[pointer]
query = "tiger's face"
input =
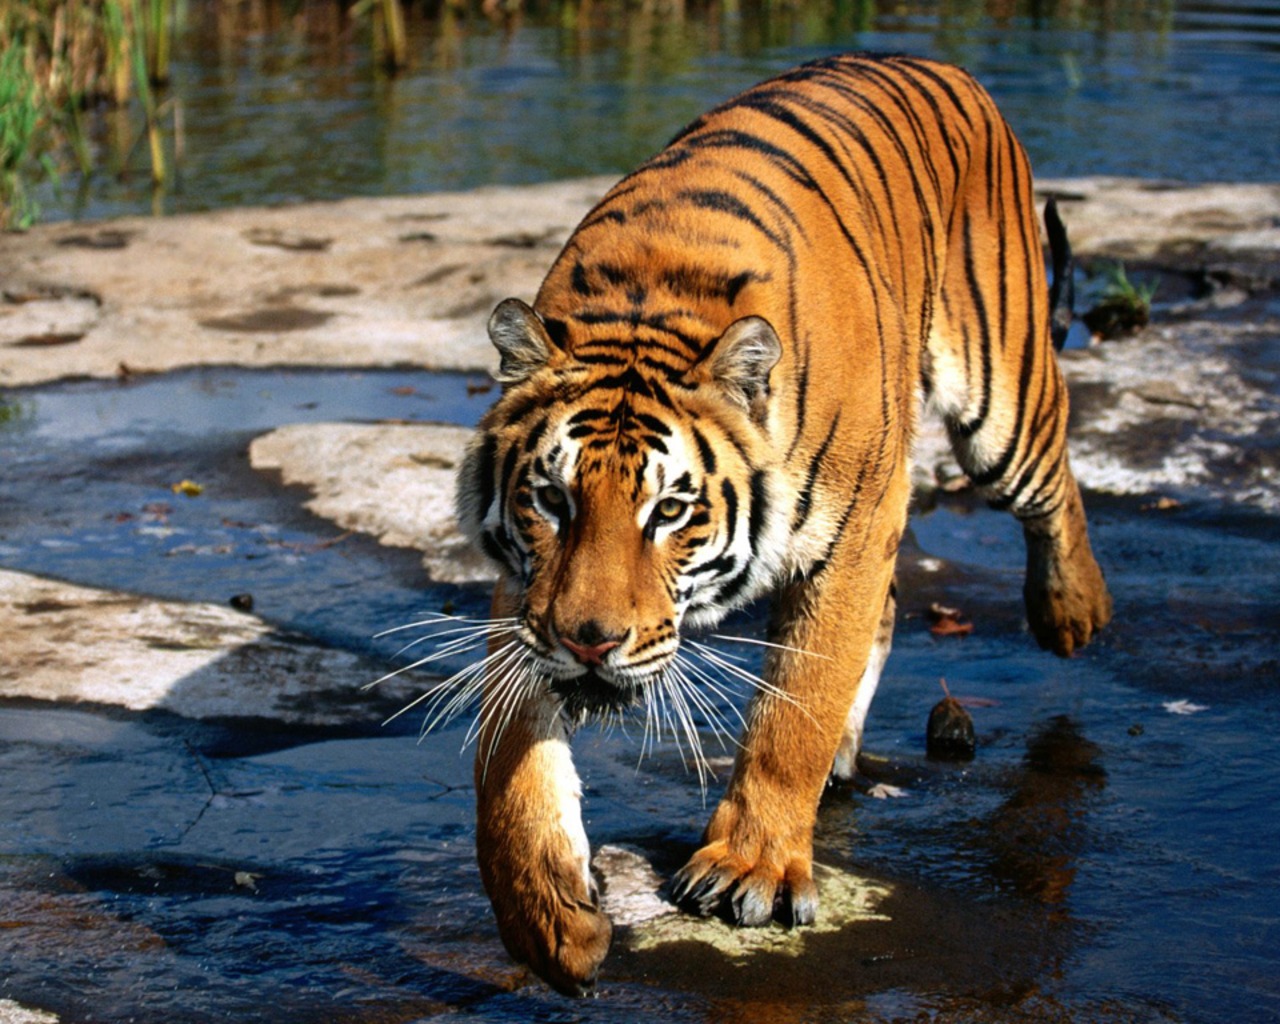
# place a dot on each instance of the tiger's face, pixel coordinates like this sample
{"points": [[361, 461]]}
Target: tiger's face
{"points": [[626, 501]]}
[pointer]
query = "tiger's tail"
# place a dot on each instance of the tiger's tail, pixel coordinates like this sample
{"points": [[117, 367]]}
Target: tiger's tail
{"points": [[1062, 293]]}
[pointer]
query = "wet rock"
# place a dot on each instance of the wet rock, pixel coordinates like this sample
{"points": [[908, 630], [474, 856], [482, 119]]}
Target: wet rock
{"points": [[1130, 219], [36, 317], [75, 644], [208, 285], [16, 1013], [1172, 411], [949, 735], [201, 282], [393, 481], [633, 895]]}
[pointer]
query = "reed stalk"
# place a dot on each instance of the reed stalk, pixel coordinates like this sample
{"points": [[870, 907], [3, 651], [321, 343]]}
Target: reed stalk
{"points": [[390, 39], [19, 127], [159, 40], [397, 43], [139, 65], [61, 58]]}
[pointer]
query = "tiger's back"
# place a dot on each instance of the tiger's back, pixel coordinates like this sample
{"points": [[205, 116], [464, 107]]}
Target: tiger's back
{"points": [[714, 397], [877, 211]]}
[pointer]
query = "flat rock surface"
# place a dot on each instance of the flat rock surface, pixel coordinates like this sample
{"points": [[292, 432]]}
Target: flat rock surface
{"points": [[70, 644], [361, 282], [393, 481]]}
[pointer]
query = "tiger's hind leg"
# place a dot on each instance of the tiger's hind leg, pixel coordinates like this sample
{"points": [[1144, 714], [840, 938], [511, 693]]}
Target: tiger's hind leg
{"points": [[993, 375]]}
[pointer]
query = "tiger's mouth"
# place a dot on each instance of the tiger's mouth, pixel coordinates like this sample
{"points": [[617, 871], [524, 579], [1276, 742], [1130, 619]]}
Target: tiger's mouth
{"points": [[590, 695]]}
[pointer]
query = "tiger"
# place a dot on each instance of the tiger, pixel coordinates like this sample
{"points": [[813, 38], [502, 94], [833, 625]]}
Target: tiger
{"points": [[713, 399]]}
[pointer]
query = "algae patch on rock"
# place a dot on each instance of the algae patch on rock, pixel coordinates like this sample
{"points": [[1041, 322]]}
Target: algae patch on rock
{"points": [[632, 897]]}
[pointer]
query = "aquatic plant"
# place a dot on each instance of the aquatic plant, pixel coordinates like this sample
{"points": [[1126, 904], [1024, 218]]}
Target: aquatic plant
{"points": [[390, 42], [59, 58], [1123, 307], [19, 133]]}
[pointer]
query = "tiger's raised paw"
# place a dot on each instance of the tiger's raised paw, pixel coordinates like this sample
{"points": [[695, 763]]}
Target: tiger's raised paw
{"points": [[1066, 597], [563, 942], [547, 908], [718, 881], [1065, 614]]}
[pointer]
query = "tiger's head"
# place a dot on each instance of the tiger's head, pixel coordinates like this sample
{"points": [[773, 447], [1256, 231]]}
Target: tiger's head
{"points": [[625, 495]]}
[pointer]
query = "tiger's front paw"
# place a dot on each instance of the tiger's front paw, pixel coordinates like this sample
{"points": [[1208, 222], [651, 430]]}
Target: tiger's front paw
{"points": [[551, 921], [749, 891]]}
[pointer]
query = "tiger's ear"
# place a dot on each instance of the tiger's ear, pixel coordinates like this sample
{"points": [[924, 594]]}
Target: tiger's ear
{"points": [[521, 338], [740, 361]]}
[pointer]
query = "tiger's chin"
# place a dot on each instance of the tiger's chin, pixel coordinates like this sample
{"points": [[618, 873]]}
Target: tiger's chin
{"points": [[591, 697]]}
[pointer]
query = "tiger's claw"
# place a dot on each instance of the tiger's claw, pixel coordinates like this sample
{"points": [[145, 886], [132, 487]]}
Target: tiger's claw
{"points": [[744, 894]]}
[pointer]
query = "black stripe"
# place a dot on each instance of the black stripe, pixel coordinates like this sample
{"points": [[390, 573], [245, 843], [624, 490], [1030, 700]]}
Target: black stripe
{"points": [[803, 503], [652, 422], [970, 428], [508, 468], [704, 450], [725, 202], [924, 68], [730, 495], [759, 508], [578, 280], [751, 143], [484, 472], [535, 434], [691, 281]]}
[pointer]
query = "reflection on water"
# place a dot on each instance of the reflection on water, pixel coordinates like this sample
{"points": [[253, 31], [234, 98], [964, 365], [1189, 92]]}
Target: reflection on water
{"points": [[1036, 835], [283, 102]]}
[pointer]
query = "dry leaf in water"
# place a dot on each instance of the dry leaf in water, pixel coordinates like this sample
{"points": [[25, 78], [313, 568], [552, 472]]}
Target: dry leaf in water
{"points": [[944, 621]]}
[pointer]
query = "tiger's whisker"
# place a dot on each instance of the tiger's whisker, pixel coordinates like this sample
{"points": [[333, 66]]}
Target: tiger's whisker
{"points": [[767, 643], [500, 680], [726, 693], [440, 618], [725, 735], [518, 686], [696, 751], [712, 657], [466, 639], [464, 678]]}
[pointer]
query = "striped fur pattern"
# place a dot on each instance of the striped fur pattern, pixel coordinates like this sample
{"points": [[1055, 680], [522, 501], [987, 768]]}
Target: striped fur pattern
{"points": [[714, 397]]}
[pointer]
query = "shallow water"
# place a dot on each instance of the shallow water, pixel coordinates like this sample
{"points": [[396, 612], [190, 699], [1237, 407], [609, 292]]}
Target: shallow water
{"points": [[295, 109], [1102, 859]]}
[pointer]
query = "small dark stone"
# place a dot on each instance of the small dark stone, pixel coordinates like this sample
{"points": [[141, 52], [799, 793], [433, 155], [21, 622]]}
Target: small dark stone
{"points": [[1136, 729], [242, 602], [949, 736]]}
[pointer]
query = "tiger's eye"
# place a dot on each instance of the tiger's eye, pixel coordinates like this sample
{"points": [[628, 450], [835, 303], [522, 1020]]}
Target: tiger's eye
{"points": [[668, 510], [552, 499]]}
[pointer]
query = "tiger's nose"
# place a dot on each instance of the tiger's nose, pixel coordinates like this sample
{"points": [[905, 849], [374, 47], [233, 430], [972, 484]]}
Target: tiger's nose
{"points": [[591, 643]]}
